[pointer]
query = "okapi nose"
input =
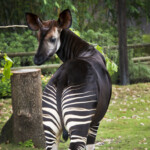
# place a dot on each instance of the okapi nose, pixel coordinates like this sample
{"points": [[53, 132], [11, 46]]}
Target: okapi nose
{"points": [[38, 60]]}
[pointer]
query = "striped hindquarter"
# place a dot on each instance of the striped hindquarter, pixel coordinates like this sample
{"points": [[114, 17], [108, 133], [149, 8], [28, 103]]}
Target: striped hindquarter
{"points": [[51, 118], [78, 106]]}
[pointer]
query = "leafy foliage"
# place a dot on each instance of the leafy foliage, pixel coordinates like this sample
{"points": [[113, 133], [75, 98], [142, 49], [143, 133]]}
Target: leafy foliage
{"points": [[28, 143], [5, 89], [110, 65], [146, 38], [18, 42], [7, 68]]}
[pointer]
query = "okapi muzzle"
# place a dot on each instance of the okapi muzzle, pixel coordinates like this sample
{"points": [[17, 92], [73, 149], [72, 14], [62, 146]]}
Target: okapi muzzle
{"points": [[48, 34]]}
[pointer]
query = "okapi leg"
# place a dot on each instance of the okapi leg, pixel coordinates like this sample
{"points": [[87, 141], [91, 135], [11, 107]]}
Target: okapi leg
{"points": [[91, 137], [78, 106], [78, 138], [51, 119]]}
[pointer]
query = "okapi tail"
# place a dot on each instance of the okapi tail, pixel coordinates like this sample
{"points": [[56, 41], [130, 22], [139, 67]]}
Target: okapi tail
{"points": [[65, 134]]}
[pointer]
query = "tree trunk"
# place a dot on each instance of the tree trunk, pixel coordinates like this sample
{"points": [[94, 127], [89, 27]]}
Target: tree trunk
{"points": [[26, 103], [123, 53]]}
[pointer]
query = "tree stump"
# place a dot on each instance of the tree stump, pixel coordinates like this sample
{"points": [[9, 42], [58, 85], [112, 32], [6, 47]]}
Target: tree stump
{"points": [[27, 107]]}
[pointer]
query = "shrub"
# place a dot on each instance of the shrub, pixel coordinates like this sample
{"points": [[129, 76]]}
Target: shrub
{"points": [[5, 88], [17, 42], [146, 38], [28, 143]]}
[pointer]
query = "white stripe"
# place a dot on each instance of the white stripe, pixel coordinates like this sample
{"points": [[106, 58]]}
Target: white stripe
{"points": [[51, 95], [52, 87], [52, 126], [74, 86], [50, 142], [50, 103], [75, 123], [50, 138], [48, 132], [48, 147], [50, 98], [71, 99], [76, 117], [94, 130], [79, 137], [77, 140], [91, 101], [52, 118], [76, 109], [75, 94], [54, 92], [92, 133], [52, 111]]}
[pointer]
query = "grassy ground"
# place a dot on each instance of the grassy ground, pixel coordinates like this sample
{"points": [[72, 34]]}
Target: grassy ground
{"points": [[126, 125]]}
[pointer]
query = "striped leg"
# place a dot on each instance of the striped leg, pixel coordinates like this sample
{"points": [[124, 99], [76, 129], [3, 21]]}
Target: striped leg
{"points": [[91, 137], [51, 119], [78, 106]]}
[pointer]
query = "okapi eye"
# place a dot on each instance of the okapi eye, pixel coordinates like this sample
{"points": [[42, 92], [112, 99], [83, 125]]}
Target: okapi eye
{"points": [[52, 40]]}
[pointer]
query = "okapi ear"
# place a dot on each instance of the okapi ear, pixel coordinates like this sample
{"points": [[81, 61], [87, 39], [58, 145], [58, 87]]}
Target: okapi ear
{"points": [[65, 19], [33, 21]]}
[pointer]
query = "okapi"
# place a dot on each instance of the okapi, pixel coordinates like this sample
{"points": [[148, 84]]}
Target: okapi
{"points": [[77, 96]]}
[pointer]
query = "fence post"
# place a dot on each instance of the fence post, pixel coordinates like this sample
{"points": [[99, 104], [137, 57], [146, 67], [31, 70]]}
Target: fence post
{"points": [[26, 103]]}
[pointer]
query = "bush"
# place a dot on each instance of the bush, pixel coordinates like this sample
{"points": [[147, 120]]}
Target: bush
{"points": [[100, 37], [5, 88], [146, 38], [17, 42]]}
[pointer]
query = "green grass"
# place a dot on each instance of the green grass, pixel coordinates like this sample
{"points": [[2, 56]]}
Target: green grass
{"points": [[126, 126]]}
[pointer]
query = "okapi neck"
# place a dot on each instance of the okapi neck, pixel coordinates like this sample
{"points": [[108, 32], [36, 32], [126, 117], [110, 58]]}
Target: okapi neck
{"points": [[72, 46]]}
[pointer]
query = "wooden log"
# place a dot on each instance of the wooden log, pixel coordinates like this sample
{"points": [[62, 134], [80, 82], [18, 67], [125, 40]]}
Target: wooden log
{"points": [[27, 108]]}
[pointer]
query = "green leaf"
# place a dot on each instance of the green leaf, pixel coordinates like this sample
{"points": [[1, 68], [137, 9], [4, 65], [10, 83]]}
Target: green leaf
{"points": [[110, 65], [57, 5], [75, 31], [7, 68], [7, 59], [45, 2]]}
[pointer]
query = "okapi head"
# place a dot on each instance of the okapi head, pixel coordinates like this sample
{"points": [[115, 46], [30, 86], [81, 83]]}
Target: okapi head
{"points": [[48, 34]]}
